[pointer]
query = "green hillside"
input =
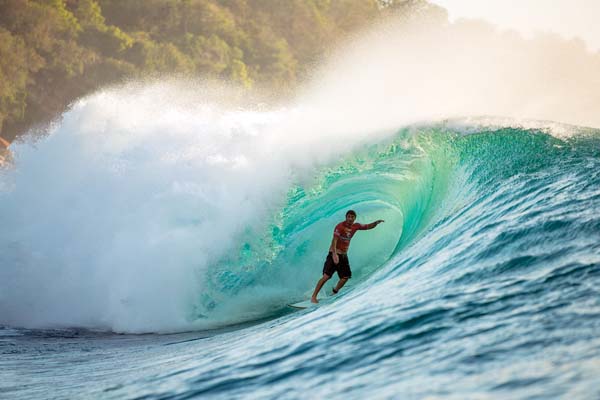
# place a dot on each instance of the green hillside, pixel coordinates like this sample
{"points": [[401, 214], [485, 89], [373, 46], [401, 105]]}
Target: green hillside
{"points": [[54, 51]]}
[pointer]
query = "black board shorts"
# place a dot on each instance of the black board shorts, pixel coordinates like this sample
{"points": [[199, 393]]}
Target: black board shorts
{"points": [[342, 267]]}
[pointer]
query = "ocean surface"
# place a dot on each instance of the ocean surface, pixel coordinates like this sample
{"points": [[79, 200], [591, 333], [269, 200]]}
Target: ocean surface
{"points": [[155, 259]]}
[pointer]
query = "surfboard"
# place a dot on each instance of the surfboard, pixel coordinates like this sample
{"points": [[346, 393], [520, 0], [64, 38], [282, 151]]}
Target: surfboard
{"points": [[303, 304]]}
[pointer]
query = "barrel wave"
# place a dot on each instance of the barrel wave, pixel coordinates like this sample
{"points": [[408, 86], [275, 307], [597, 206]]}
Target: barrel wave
{"points": [[483, 279]]}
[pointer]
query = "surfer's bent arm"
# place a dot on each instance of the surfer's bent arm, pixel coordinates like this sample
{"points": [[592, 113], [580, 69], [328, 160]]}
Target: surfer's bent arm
{"points": [[333, 247]]}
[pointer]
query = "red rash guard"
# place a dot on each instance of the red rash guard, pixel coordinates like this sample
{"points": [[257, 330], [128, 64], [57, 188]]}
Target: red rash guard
{"points": [[344, 233]]}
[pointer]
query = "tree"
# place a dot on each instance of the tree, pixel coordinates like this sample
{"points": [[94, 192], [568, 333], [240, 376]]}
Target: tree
{"points": [[16, 64]]}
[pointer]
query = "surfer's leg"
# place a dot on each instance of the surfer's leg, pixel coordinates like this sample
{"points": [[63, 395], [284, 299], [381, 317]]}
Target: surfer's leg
{"points": [[340, 284], [320, 284], [344, 273], [329, 268]]}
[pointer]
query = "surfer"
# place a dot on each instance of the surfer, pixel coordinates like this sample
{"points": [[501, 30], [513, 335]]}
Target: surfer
{"points": [[337, 259]]}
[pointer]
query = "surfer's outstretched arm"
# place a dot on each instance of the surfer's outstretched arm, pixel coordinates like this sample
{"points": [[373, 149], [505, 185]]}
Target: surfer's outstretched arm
{"points": [[372, 225]]}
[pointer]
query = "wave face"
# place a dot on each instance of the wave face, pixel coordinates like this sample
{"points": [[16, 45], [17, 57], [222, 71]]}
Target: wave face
{"points": [[483, 279]]}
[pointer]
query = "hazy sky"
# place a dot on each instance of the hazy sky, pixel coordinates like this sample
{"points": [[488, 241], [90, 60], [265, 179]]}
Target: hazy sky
{"points": [[566, 17]]}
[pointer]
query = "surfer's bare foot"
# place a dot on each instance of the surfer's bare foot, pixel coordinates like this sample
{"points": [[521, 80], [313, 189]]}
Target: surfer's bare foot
{"points": [[314, 300]]}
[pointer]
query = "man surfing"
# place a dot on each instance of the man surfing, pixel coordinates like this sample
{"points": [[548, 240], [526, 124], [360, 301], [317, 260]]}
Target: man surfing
{"points": [[337, 259]]}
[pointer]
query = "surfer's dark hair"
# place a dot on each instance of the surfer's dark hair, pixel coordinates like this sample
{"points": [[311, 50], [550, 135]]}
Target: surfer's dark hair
{"points": [[350, 212]]}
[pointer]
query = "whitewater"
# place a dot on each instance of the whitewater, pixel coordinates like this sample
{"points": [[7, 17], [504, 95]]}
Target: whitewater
{"points": [[152, 238]]}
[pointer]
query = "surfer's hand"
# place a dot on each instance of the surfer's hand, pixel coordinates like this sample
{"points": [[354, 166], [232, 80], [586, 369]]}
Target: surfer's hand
{"points": [[336, 258]]}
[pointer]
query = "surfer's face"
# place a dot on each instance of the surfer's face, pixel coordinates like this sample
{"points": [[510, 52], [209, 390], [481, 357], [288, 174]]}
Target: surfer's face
{"points": [[350, 218]]}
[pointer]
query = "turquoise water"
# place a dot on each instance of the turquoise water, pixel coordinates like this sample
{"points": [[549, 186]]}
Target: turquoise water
{"points": [[484, 281]]}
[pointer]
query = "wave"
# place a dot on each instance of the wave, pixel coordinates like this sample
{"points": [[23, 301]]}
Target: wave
{"points": [[207, 217]]}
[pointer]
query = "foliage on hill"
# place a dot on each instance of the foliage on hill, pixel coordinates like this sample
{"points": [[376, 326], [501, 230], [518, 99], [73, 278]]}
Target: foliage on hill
{"points": [[54, 51]]}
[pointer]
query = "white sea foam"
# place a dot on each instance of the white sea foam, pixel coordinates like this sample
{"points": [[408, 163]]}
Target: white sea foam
{"points": [[109, 221]]}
